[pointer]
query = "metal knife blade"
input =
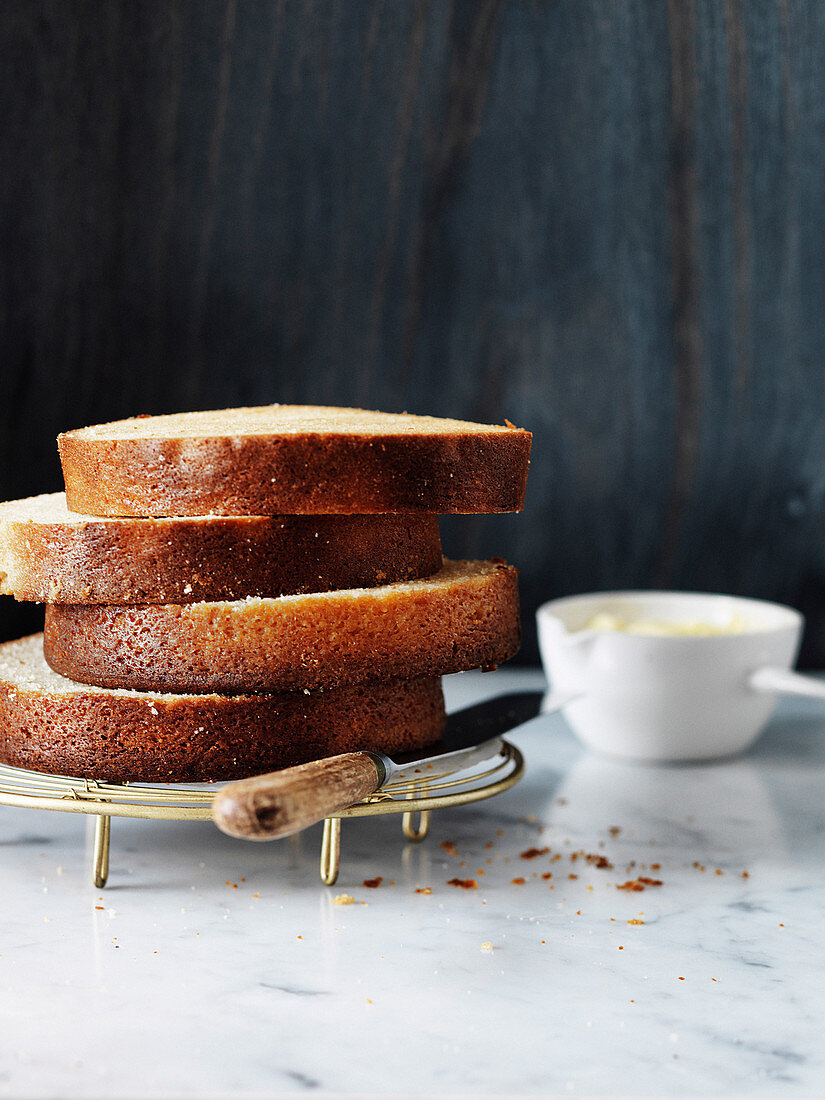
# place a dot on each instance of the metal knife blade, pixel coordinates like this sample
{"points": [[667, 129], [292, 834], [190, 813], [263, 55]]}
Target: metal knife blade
{"points": [[471, 736]]}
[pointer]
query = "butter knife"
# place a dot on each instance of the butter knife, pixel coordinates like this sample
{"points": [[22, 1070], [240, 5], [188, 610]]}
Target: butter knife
{"points": [[268, 806]]}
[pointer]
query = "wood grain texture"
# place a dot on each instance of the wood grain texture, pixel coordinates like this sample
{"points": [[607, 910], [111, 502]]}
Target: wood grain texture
{"points": [[602, 221], [282, 803]]}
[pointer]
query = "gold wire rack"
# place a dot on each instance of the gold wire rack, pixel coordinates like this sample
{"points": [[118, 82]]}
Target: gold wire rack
{"points": [[193, 802]]}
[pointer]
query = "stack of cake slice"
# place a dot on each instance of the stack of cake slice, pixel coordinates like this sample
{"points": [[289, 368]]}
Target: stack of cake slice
{"points": [[235, 592]]}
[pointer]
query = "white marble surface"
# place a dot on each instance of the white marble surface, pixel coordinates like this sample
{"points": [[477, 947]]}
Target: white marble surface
{"points": [[213, 967]]}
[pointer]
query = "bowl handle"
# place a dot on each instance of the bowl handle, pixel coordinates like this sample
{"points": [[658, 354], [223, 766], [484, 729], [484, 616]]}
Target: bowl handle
{"points": [[787, 682]]}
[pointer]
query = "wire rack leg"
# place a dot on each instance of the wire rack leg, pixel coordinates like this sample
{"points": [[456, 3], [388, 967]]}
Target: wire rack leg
{"points": [[412, 830], [331, 850], [103, 833]]}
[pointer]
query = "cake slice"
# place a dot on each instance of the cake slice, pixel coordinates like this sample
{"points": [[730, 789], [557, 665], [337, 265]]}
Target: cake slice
{"points": [[293, 459], [51, 555], [464, 617], [50, 724]]}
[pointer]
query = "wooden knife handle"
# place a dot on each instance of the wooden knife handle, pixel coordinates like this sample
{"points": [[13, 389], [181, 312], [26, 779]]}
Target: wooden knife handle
{"points": [[280, 803]]}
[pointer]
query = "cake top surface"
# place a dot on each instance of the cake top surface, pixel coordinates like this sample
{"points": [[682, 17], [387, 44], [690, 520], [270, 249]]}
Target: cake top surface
{"points": [[51, 508], [451, 573], [283, 420], [46, 508]]}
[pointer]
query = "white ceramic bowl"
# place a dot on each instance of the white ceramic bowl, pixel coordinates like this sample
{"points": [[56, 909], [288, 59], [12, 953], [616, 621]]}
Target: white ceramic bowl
{"points": [[675, 697]]}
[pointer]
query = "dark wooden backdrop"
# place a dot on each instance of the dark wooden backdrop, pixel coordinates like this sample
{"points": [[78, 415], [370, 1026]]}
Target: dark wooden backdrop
{"points": [[602, 219]]}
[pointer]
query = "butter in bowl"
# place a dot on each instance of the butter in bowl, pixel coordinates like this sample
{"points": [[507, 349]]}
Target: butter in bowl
{"points": [[659, 677]]}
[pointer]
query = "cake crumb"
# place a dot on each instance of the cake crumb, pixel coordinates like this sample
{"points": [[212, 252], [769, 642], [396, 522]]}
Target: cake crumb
{"points": [[638, 884], [600, 862], [487, 948], [343, 899]]}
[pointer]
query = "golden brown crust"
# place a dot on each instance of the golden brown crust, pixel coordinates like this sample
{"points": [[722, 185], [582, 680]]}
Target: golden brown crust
{"points": [[52, 725], [464, 617], [51, 555], [335, 461]]}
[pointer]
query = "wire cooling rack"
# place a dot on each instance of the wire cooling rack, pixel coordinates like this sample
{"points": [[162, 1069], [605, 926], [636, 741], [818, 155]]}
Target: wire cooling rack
{"points": [[413, 799]]}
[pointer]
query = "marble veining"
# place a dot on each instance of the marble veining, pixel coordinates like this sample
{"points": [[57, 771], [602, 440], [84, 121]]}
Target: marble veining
{"points": [[632, 931]]}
